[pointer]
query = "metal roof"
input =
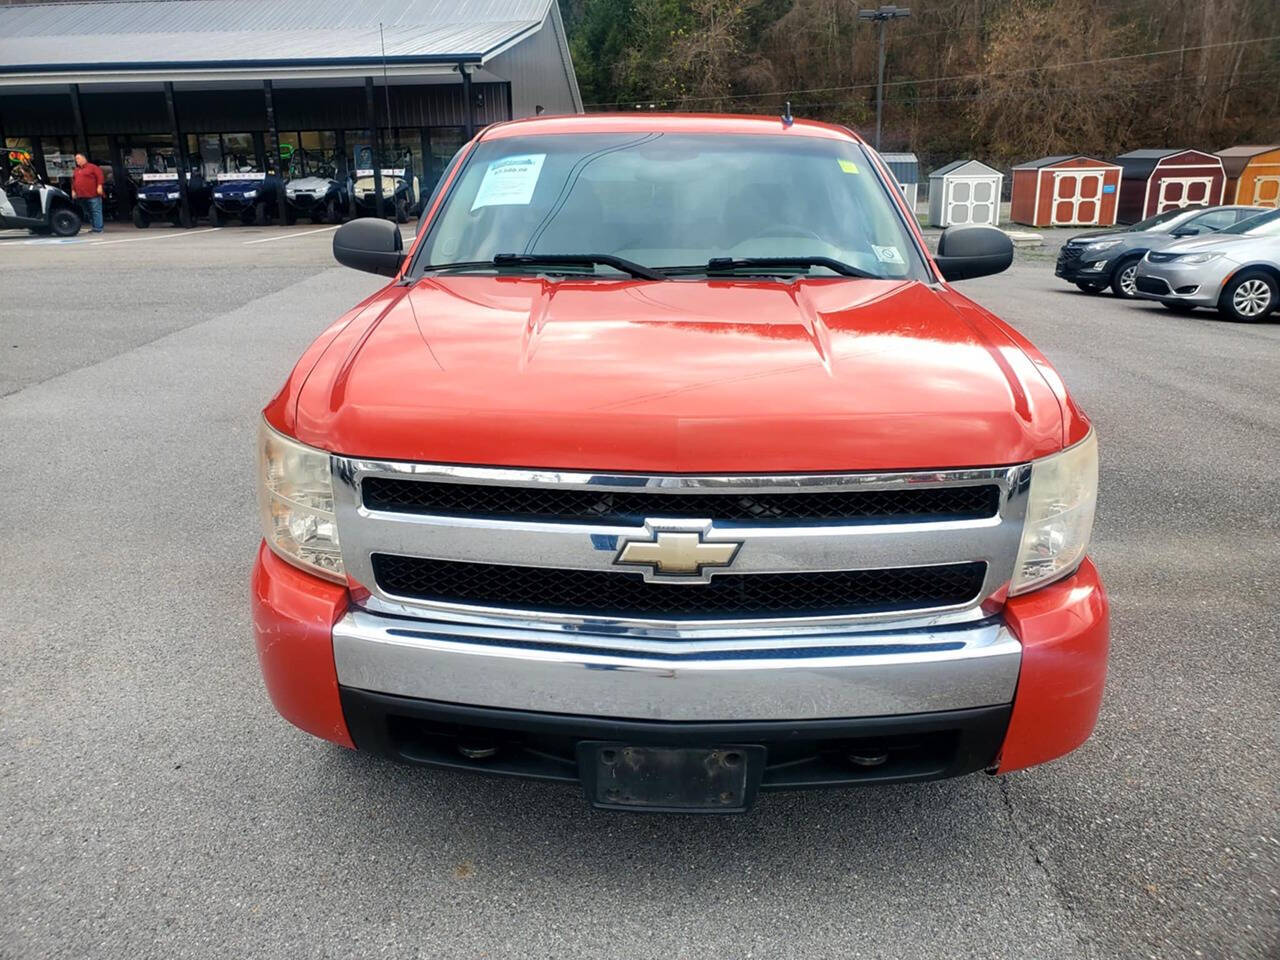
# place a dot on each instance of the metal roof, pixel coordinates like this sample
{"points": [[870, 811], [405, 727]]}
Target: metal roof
{"points": [[1054, 161], [136, 34], [904, 166], [955, 166]]}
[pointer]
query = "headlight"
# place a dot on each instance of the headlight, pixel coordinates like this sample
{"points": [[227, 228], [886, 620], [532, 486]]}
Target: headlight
{"points": [[174, 195], [1198, 257], [295, 499], [250, 194], [1060, 505], [1102, 245]]}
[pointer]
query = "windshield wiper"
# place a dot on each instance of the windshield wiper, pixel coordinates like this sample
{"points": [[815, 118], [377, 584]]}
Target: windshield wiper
{"points": [[638, 270], [732, 264], [554, 260]]}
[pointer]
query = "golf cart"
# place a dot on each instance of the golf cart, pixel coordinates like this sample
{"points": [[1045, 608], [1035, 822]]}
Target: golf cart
{"points": [[28, 202], [312, 190], [158, 198], [245, 195], [399, 192]]}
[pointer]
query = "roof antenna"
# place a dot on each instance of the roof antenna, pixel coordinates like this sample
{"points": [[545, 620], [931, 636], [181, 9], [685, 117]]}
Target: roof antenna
{"points": [[787, 118]]}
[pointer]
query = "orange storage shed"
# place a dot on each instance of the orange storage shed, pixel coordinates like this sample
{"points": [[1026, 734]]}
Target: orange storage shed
{"points": [[1253, 175], [1066, 191]]}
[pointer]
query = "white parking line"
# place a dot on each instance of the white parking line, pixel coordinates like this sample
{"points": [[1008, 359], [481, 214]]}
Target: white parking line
{"points": [[290, 236], [162, 236]]}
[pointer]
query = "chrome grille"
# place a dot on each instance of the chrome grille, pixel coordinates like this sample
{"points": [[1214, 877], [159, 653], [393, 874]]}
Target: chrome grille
{"points": [[744, 596], [539, 549], [559, 504]]}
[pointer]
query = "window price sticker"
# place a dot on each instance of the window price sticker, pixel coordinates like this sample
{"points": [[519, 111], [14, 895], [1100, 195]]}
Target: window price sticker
{"points": [[510, 181]]}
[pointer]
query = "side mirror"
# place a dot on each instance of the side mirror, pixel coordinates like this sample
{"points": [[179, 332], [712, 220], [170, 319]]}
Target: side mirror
{"points": [[369, 244], [967, 252], [1187, 232]]}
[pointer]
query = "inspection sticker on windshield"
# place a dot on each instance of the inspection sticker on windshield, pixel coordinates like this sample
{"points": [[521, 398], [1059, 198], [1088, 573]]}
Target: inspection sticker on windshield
{"points": [[887, 254], [509, 181], [848, 166]]}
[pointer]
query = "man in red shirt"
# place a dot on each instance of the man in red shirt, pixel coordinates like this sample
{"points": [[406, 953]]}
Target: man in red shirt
{"points": [[86, 188]]}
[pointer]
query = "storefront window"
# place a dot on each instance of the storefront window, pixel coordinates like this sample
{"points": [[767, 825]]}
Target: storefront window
{"points": [[445, 142], [59, 158]]}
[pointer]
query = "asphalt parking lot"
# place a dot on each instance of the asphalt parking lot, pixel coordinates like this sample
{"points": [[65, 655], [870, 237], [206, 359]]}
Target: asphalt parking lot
{"points": [[154, 805]]}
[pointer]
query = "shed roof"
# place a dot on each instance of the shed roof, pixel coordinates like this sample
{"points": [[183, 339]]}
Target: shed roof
{"points": [[1139, 164], [968, 167], [1235, 159], [135, 34], [904, 166]]}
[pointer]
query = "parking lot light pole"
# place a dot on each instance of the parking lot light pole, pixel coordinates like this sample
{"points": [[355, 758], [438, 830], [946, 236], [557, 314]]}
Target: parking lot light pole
{"points": [[882, 16]]}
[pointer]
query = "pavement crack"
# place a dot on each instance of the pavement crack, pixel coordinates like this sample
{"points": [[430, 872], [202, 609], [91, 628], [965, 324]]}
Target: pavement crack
{"points": [[1041, 860]]}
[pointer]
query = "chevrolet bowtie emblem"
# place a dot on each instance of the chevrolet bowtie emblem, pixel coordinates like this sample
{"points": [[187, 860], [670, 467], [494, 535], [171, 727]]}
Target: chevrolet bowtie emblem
{"points": [[680, 553]]}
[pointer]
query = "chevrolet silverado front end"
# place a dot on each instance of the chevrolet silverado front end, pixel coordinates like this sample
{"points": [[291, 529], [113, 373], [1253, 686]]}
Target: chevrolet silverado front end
{"points": [[670, 465]]}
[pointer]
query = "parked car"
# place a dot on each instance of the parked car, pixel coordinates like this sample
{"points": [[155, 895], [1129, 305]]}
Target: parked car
{"points": [[38, 207], [313, 190], [246, 197], [159, 200], [1095, 261], [671, 463], [1236, 270]]}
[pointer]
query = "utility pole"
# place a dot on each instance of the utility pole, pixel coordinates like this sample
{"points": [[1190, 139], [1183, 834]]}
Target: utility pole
{"points": [[882, 16]]}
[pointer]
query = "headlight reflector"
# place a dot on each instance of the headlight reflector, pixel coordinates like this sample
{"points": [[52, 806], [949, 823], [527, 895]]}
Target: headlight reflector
{"points": [[1059, 521], [1198, 257], [295, 500], [1102, 245]]}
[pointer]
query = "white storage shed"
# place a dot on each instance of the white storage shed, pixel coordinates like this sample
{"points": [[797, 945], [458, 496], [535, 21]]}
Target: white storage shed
{"points": [[964, 192]]}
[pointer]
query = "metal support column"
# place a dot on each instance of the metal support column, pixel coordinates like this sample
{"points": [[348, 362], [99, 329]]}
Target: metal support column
{"points": [[281, 200], [37, 159], [119, 179], [468, 103], [372, 117], [4, 153], [77, 117], [343, 168], [180, 151]]}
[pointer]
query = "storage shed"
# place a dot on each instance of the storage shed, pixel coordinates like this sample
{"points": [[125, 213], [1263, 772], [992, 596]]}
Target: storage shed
{"points": [[905, 168], [1253, 175], [1157, 180], [1066, 191], [963, 192]]}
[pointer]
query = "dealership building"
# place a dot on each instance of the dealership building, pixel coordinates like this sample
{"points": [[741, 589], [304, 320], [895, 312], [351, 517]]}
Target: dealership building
{"points": [[218, 86]]}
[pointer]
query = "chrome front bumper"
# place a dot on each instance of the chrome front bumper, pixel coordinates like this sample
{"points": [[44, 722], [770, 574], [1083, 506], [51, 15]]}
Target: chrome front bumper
{"points": [[849, 675]]}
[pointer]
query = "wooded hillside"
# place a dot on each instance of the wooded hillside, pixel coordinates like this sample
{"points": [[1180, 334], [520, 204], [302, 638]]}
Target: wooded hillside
{"points": [[1003, 80]]}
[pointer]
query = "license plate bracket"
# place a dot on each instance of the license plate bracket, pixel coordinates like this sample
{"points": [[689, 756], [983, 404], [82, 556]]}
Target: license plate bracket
{"points": [[670, 779]]}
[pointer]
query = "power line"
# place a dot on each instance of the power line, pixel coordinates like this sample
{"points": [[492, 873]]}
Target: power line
{"points": [[960, 76]]}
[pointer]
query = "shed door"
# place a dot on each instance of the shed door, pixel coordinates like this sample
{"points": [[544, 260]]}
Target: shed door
{"points": [[1266, 191], [1179, 192], [970, 201], [1076, 198]]}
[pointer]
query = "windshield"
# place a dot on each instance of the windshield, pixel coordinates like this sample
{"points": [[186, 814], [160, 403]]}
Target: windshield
{"points": [[1263, 225], [1162, 219], [665, 201]]}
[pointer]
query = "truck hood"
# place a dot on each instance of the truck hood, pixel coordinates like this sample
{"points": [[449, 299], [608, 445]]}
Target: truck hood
{"points": [[681, 376]]}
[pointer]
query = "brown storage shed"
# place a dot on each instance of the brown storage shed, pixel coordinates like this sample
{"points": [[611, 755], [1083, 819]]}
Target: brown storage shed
{"points": [[1067, 191], [1253, 175], [1158, 180]]}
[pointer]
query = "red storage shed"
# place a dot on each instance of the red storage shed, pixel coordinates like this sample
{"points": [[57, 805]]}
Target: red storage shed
{"points": [[1068, 191], [1158, 180]]}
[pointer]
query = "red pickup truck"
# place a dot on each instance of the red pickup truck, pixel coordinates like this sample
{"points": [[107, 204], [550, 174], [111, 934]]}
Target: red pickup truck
{"points": [[671, 464]]}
